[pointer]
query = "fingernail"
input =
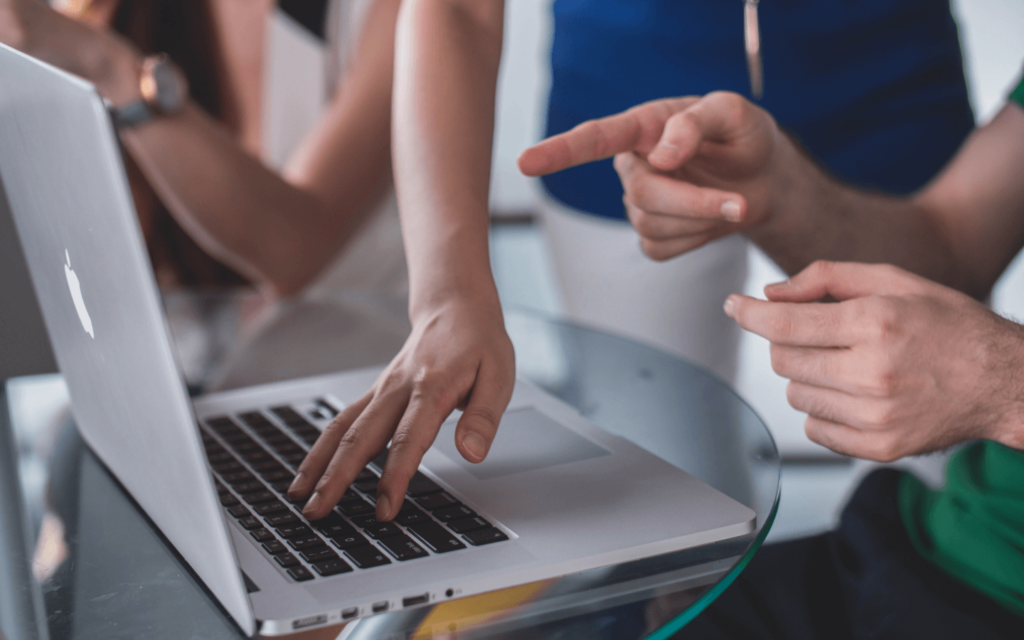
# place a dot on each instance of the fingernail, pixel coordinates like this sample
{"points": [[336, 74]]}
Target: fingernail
{"points": [[731, 210], [383, 508], [474, 444], [294, 486], [312, 505], [730, 306], [669, 148]]}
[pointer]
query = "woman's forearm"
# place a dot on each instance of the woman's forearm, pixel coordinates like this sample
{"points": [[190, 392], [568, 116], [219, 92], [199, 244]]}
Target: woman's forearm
{"points": [[279, 230], [446, 70]]}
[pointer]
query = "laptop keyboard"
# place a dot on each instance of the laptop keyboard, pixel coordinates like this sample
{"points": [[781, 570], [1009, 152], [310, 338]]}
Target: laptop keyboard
{"points": [[254, 456]]}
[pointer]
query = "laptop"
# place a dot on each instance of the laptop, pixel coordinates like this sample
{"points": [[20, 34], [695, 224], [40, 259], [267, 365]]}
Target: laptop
{"points": [[556, 495]]}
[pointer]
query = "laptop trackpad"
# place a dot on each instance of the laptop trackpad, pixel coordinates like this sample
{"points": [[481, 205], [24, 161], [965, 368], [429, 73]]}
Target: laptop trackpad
{"points": [[527, 440]]}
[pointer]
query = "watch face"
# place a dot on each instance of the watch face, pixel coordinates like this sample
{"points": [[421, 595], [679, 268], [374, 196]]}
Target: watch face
{"points": [[169, 90]]}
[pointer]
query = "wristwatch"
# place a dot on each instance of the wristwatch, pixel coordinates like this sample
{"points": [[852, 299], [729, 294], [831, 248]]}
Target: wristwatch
{"points": [[164, 92]]}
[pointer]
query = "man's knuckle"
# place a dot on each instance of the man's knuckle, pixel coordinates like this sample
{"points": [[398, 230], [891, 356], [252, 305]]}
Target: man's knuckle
{"points": [[482, 415]]}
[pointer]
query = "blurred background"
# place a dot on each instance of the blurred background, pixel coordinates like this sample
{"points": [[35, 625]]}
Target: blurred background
{"points": [[815, 481]]}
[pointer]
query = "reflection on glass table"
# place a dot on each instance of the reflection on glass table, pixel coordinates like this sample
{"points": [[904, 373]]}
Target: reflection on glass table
{"points": [[105, 572]]}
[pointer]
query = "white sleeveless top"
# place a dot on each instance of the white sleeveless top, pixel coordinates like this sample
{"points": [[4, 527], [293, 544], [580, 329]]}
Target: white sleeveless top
{"points": [[302, 74]]}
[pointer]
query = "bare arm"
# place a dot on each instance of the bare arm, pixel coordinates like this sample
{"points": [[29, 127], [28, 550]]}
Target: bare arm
{"points": [[680, 161], [458, 356], [277, 229]]}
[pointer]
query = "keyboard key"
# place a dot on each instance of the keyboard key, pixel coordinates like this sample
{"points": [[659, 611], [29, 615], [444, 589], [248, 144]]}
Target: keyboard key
{"points": [[281, 487], [286, 559], [365, 521], [250, 522], [318, 554], [228, 500], [355, 508], [334, 528], [468, 524], [267, 466], [366, 557], [238, 477], [279, 476], [367, 486], [257, 455], [217, 457], [349, 540], [421, 485], [295, 530], [348, 496], [366, 474], [382, 530], [269, 507], [402, 547], [294, 459], [457, 512], [435, 501], [331, 567], [249, 487], [411, 517], [275, 547], [485, 536], [279, 519], [261, 534], [300, 573], [257, 497], [240, 511], [227, 467], [305, 542], [327, 406], [436, 538]]}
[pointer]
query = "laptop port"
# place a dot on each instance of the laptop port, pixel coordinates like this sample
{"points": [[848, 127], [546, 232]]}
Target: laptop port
{"points": [[348, 614], [302, 623], [449, 593], [381, 607], [413, 601]]}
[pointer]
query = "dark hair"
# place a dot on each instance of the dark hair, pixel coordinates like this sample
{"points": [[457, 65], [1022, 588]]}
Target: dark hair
{"points": [[187, 32]]}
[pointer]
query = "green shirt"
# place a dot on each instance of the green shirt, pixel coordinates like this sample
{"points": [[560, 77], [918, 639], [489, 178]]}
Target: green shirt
{"points": [[973, 528]]}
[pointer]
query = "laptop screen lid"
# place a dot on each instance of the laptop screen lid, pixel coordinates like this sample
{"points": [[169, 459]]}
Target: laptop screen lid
{"points": [[69, 196]]}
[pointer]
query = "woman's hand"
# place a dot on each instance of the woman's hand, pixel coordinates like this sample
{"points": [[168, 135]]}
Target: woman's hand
{"points": [[899, 366], [100, 56], [457, 357]]}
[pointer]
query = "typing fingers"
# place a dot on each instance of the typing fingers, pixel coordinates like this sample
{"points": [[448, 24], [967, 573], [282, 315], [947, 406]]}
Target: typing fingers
{"points": [[360, 443], [415, 433], [320, 454]]}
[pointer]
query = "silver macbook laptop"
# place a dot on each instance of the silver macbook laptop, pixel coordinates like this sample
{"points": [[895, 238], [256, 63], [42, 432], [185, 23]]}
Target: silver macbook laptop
{"points": [[556, 495]]}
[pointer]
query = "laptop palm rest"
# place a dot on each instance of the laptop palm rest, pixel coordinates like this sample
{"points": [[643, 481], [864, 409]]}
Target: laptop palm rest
{"points": [[527, 440]]}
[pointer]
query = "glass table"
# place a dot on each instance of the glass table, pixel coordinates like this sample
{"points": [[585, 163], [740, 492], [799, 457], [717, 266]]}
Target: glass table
{"points": [[82, 561]]}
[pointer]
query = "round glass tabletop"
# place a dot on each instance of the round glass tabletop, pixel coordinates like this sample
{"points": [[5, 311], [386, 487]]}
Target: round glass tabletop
{"points": [[104, 571]]}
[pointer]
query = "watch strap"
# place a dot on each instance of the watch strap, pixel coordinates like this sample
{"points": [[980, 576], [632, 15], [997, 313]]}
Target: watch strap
{"points": [[133, 114]]}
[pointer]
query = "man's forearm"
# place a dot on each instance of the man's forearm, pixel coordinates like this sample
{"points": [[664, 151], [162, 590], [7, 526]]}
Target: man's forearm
{"points": [[446, 70], [815, 217]]}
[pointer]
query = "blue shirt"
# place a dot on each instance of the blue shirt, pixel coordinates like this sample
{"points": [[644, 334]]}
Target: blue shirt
{"points": [[873, 89]]}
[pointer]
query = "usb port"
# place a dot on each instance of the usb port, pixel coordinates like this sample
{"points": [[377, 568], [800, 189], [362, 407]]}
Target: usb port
{"points": [[348, 614], [412, 601], [381, 607]]}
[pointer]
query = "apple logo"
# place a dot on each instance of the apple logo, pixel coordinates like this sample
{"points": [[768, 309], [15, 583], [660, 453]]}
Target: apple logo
{"points": [[76, 296]]}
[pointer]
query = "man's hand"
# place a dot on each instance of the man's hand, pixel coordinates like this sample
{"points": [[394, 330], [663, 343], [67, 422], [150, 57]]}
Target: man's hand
{"points": [[899, 366], [457, 357], [693, 169]]}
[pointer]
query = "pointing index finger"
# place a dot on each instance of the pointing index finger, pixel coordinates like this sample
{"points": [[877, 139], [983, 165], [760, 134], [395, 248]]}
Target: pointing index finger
{"points": [[637, 129]]}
